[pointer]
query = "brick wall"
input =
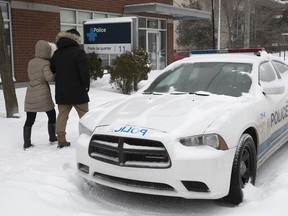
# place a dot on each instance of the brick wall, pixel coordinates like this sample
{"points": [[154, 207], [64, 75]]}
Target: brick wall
{"points": [[29, 26], [170, 39]]}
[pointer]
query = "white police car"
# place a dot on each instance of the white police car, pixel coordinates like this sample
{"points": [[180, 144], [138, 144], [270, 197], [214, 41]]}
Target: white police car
{"points": [[199, 131]]}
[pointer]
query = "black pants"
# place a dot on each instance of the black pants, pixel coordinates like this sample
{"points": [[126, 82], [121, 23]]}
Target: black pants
{"points": [[31, 116]]}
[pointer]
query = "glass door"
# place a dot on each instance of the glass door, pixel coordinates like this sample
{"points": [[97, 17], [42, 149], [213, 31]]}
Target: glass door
{"points": [[153, 48]]}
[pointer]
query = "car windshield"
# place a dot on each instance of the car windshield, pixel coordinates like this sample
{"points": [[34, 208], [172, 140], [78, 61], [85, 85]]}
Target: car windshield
{"points": [[221, 78]]}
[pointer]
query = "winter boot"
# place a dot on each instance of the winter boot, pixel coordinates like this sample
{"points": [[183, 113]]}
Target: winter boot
{"points": [[62, 141], [27, 137], [51, 131]]}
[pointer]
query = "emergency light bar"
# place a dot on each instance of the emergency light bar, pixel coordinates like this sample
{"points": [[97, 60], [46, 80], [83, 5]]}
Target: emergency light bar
{"points": [[213, 51]]}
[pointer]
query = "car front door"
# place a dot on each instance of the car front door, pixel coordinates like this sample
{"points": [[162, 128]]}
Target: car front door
{"points": [[276, 109]]}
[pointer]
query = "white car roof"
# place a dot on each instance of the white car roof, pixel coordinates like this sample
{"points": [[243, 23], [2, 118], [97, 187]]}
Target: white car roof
{"points": [[227, 57]]}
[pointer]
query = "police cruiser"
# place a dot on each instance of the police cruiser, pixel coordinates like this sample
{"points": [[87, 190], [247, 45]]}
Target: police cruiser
{"points": [[200, 130]]}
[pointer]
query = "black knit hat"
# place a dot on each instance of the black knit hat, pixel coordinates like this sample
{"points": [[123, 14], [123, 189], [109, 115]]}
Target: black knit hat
{"points": [[73, 31]]}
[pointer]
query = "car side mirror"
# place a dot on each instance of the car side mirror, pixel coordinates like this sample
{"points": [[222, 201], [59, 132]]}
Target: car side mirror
{"points": [[272, 89]]}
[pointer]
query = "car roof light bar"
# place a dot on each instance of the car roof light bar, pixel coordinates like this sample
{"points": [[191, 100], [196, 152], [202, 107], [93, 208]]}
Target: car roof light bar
{"points": [[213, 51], [248, 50], [204, 51]]}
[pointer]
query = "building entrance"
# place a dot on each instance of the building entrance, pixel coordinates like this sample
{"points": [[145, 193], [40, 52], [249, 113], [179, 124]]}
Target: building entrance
{"points": [[153, 48]]}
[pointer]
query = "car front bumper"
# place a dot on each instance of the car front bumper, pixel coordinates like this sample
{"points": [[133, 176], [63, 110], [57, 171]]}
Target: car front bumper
{"points": [[195, 172]]}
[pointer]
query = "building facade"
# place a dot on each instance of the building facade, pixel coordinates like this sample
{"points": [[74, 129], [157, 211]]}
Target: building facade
{"points": [[27, 21]]}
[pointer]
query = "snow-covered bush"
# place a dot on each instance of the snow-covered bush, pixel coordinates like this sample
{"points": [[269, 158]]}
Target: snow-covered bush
{"points": [[128, 69], [95, 66]]}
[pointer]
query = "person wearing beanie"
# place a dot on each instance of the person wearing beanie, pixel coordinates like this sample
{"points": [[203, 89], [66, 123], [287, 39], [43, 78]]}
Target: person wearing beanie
{"points": [[72, 81], [38, 96]]}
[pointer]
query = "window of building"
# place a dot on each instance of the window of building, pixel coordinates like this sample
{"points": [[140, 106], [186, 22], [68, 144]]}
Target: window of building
{"points": [[142, 38], [100, 15], [152, 23], [71, 18], [68, 17], [163, 24], [142, 23]]}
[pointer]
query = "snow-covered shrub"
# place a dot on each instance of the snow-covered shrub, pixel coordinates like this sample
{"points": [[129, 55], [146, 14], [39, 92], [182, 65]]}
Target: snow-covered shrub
{"points": [[95, 66], [128, 69]]}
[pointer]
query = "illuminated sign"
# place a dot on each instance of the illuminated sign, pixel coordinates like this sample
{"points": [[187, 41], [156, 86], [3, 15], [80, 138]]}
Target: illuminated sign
{"points": [[107, 38]]}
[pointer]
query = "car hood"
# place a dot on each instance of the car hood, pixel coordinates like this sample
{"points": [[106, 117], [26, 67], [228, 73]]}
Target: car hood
{"points": [[166, 113]]}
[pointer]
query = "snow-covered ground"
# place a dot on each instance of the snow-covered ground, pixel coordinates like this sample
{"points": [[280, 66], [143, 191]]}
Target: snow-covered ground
{"points": [[43, 181]]}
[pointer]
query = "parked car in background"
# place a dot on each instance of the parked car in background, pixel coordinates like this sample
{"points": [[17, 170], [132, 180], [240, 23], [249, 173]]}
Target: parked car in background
{"points": [[180, 55], [200, 130]]}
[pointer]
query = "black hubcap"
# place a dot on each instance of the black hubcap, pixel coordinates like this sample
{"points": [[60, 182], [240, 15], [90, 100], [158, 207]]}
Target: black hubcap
{"points": [[245, 167]]}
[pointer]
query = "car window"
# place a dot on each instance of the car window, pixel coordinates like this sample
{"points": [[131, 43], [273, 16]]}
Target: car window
{"points": [[267, 74], [222, 78], [281, 67]]}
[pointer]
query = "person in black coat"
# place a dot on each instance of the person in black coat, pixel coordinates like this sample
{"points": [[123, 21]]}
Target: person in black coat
{"points": [[72, 80]]}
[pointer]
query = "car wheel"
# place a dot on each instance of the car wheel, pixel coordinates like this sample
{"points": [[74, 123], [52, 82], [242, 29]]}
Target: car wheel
{"points": [[243, 170]]}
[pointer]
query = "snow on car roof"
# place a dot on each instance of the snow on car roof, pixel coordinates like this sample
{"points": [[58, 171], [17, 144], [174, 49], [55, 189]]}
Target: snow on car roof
{"points": [[225, 57]]}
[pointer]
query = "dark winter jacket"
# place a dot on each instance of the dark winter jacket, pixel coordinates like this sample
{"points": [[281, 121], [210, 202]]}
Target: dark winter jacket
{"points": [[38, 96], [70, 64]]}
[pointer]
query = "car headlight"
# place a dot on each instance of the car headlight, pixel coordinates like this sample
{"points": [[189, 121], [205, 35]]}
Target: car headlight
{"points": [[84, 130], [212, 140]]}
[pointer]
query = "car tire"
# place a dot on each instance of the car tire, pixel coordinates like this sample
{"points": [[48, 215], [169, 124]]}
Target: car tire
{"points": [[243, 169]]}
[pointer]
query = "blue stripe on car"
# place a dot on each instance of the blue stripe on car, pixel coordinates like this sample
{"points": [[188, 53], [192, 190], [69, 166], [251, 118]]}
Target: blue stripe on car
{"points": [[273, 140]]}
